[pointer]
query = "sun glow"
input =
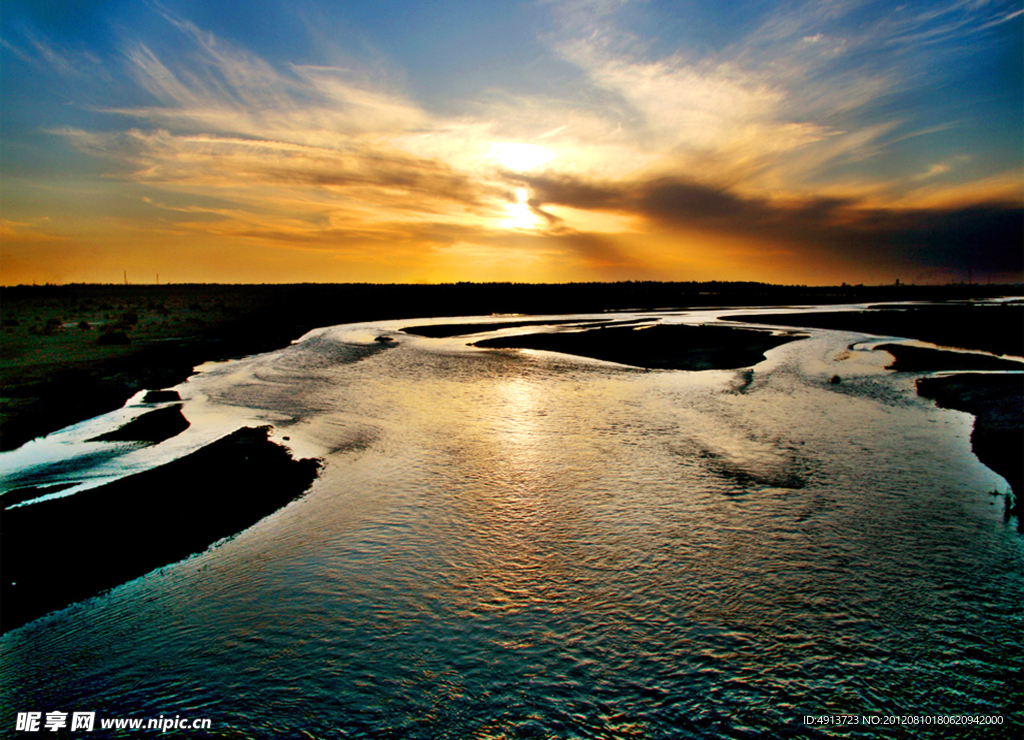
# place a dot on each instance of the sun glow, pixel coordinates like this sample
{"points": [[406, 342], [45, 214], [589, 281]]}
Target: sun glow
{"points": [[520, 157], [521, 216]]}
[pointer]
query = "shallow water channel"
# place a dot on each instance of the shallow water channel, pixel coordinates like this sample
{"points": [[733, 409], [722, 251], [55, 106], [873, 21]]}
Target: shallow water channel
{"points": [[510, 544]]}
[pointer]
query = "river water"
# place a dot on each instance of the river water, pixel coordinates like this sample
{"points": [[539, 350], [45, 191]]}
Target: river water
{"points": [[522, 544]]}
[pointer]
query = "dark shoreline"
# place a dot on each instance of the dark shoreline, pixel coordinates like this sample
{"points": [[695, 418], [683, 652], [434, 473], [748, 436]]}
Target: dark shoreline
{"points": [[998, 329], [150, 428], [997, 404], [443, 331], [660, 347], [910, 359], [60, 551]]}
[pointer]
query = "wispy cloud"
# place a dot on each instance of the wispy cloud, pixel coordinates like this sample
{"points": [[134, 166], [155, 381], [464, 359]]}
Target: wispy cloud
{"points": [[67, 62], [27, 231], [788, 105]]}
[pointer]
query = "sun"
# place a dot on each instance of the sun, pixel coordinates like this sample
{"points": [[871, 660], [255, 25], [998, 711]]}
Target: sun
{"points": [[521, 216], [520, 157]]}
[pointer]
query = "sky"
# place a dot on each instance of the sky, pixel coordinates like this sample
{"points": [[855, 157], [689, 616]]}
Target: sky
{"points": [[542, 141]]}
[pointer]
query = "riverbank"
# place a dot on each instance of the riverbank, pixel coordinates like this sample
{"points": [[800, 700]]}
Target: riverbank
{"points": [[910, 359], [995, 328], [60, 551], [997, 404], [76, 351], [662, 347]]}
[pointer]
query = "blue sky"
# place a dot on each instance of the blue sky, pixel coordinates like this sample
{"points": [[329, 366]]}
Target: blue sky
{"points": [[535, 141]]}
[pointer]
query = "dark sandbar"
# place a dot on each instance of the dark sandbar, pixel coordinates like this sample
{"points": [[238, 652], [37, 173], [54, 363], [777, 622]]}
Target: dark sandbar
{"points": [[665, 346], [923, 359], [991, 328], [997, 403], [150, 428], [444, 331], [161, 396], [63, 550]]}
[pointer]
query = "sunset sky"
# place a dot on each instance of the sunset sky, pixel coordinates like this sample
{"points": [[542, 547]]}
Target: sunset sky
{"points": [[543, 141]]}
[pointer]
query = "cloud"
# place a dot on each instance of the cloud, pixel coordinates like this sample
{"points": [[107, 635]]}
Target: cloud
{"points": [[799, 100], [985, 235], [234, 93], [772, 112], [27, 231], [771, 142], [42, 53], [309, 143]]}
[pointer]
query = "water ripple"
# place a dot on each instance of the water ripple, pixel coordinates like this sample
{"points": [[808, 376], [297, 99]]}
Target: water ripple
{"points": [[513, 545]]}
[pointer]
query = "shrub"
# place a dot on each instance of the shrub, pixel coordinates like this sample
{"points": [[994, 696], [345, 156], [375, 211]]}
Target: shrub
{"points": [[113, 337]]}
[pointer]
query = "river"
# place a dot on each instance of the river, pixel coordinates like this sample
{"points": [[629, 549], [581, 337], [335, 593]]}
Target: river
{"points": [[514, 544]]}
